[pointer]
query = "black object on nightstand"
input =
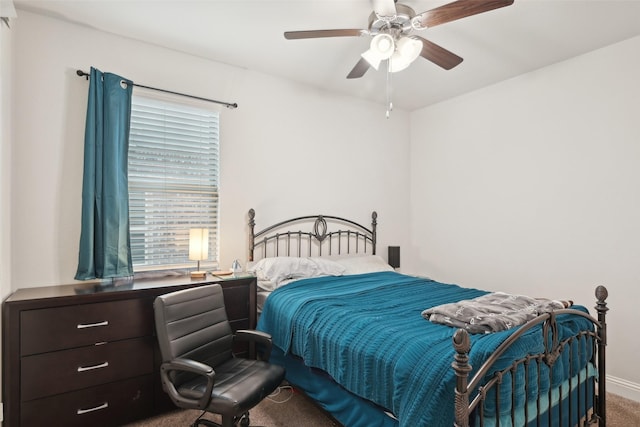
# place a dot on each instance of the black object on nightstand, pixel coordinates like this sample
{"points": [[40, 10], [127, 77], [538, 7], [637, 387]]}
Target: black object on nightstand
{"points": [[394, 256]]}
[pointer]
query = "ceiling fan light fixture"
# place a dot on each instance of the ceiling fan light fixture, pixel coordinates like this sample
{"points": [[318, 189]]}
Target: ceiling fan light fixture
{"points": [[408, 49], [381, 47]]}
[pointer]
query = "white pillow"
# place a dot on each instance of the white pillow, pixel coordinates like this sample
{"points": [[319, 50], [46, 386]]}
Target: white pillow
{"points": [[327, 267], [266, 285], [271, 272], [364, 264], [280, 268]]}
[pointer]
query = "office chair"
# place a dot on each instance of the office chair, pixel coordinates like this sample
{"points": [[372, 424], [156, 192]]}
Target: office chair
{"points": [[199, 369]]}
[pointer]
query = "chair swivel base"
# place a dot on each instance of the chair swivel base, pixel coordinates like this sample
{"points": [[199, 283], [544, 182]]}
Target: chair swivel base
{"points": [[241, 421], [203, 422]]}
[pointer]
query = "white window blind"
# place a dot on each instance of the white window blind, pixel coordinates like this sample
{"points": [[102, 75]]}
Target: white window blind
{"points": [[173, 181]]}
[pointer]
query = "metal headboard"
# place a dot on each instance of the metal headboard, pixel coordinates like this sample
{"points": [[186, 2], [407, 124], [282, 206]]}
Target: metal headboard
{"points": [[348, 237]]}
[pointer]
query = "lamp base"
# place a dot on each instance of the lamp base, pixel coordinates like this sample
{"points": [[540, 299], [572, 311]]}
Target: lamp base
{"points": [[198, 274]]}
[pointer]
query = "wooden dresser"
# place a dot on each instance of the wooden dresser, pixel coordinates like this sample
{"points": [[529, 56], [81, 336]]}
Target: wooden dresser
{"points": [[86, 354]]}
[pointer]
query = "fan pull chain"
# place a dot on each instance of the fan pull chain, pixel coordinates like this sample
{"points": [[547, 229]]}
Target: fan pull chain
{"points": [[389, 102]]}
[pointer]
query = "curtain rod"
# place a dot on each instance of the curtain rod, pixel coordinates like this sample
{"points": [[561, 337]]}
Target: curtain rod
{"points": [[226, 104]]}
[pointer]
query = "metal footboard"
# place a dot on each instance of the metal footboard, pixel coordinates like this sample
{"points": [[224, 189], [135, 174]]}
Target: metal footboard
{"points": [[579, 400]]}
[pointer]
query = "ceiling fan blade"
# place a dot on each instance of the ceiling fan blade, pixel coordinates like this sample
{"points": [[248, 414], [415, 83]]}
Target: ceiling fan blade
{"points": [[438, 55], [384, 7], [294, 35], [358, 71], [457, 10]]}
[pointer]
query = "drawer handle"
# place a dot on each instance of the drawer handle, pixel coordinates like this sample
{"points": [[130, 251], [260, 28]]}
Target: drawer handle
{"points": [[105, 405], [89, 368], [93, 325]]}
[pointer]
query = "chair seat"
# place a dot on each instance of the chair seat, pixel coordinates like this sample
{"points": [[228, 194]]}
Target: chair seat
{"points": [[240, 384]]}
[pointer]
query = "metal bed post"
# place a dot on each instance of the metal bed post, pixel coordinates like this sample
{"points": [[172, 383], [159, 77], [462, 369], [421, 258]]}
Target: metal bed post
{"points": [[601, 308], [374, 224], [462, 345], [252, 224]]}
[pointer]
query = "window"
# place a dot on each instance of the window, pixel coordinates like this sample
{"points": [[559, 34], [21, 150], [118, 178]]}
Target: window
{"points": [[173, 181]]}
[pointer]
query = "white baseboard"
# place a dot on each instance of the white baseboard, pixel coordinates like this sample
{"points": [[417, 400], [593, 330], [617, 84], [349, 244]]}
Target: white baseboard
{"points": [[623, 388]]}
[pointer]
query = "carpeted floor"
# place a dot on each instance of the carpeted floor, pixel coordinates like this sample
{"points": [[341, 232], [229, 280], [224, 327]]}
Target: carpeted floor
{"points": [[287, 408], [622, 412], [291, 409]]}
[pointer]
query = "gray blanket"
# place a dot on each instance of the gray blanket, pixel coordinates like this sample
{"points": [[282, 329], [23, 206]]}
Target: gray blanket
{"points": [[492, 312]]}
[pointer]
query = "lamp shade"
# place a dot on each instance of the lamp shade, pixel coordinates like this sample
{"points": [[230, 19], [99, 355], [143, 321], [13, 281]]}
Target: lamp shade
{"points": [[198, 244], [381, 47], [408, 49]]}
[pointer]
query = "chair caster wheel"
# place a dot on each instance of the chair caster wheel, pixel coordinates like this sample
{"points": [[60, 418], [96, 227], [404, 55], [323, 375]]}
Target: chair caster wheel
{"points": [[244, 421]]}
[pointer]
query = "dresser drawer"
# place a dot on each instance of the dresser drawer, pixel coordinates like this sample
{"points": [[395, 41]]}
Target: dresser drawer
{"points": [[60, 328], [67, 370], [111, 404]]}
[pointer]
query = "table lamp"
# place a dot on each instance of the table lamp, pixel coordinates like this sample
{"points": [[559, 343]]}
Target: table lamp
{"points": [[198, 249]]}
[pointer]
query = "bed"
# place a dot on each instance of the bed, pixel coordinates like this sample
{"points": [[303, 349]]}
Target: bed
{"points": [[353, 335]]}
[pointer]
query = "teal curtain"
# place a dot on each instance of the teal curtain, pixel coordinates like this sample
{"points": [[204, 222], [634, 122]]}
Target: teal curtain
{"points": [[105, 249]]}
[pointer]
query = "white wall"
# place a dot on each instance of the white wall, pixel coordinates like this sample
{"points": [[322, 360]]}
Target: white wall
{"points": [[532, 186], [5, 162], [287, 150], [315, 153]]}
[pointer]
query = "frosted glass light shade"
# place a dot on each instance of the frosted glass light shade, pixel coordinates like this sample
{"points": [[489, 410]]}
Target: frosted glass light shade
{"points": [[198, 244], [408, 49], [373, 59], [381, 47]]}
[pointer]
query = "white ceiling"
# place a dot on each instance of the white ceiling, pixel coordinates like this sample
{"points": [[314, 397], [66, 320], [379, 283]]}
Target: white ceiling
{"points": [[495, 45]]}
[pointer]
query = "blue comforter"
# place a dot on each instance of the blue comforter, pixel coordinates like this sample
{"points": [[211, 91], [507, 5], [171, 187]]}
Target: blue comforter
{"points": [[366, 331]]}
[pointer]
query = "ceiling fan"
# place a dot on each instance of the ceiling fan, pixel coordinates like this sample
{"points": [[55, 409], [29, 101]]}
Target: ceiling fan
{"points": [[391, 25]]}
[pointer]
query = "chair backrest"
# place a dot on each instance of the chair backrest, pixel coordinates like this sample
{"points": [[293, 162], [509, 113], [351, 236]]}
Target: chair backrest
{"points": [[192, 324]]}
